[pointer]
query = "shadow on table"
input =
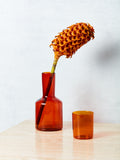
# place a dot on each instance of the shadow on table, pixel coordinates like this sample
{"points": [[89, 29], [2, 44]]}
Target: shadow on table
{"points": [[105, 134]]}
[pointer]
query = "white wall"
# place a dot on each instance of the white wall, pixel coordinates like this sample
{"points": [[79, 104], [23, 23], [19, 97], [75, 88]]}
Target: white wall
{"points": [[90, 80]]}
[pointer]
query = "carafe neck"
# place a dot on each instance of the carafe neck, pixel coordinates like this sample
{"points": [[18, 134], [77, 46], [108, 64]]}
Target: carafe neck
{"points": [[48, 84]]}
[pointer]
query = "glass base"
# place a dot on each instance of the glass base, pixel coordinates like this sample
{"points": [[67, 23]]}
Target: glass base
{"points": [[48, 129], [84, 137]]}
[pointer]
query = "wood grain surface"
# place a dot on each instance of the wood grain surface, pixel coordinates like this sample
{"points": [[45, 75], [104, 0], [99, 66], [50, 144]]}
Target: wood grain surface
{"points": [[24, 142]]}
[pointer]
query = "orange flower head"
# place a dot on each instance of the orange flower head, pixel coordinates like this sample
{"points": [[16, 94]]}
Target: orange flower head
{"points": [[71, 39]]}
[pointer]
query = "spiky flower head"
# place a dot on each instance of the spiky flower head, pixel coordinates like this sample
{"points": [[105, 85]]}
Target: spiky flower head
{"points": [[71, 39]]}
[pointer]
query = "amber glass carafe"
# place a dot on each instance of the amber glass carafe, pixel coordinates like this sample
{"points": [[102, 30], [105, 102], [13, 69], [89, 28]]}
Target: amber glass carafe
{"points": [[49, 118]]}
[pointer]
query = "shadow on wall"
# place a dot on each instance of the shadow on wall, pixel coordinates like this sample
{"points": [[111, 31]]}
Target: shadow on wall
{"points": [[108, 54], [94, 92]]}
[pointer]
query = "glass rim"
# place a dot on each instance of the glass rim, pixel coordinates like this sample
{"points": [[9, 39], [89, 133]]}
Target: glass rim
{"points": [[47, 73], [83, 112]]}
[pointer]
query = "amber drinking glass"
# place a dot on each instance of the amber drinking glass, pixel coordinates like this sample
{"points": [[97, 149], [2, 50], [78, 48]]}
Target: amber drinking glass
{"points": [[82, 123], [50, 117]]}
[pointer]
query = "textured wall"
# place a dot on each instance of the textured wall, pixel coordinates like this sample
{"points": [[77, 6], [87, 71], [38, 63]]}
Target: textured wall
{"points": [[90, 80]]}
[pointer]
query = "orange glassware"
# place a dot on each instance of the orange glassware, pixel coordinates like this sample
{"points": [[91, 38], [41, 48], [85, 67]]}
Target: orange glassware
{"points": [[50, 117], [82, 123]]}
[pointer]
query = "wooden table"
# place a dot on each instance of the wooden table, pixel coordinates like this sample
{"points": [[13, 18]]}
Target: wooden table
{"points": [[24, 142]]}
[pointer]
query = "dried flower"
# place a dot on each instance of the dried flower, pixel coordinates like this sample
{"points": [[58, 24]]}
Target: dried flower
{"points": [[71, 39]]}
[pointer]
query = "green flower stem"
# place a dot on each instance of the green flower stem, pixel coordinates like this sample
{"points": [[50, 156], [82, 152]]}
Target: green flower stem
{"points": [[54, 65]]}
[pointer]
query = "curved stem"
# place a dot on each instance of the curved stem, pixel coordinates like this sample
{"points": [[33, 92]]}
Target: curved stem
{"points": [[47, 91], [54, 65]]}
